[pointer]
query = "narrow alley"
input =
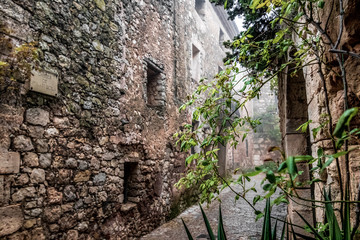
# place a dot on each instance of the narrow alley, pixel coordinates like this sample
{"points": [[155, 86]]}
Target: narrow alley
{"points": [[238, 217]]}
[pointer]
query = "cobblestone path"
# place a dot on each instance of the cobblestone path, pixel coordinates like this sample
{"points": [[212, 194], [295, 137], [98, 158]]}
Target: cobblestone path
{"points": [[238, 217]]}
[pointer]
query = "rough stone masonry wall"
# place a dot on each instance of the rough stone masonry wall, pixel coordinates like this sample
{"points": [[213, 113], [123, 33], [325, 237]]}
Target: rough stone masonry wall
{"points": [[305, 95], [316, 98], [62, 158]]}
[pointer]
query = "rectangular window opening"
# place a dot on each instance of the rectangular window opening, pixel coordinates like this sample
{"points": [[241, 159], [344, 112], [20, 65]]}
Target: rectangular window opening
{"points": [[155, 85], [195, 64], [130, 181], [195, 125], [200, 8], [221, 38], [247, 147]]}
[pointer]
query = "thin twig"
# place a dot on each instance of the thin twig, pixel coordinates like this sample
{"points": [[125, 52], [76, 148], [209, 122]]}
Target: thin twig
{"points": [[352, 54]]}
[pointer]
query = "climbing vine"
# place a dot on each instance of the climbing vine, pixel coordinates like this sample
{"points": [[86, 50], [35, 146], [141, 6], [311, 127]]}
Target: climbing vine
{"points": [[295, 36]]}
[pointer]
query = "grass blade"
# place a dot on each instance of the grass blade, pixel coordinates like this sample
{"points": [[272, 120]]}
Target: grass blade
{"points": [[311, 227], [207, 224], [335, 232], [221, 230], [293, 232], [273, 235], [266, 233], [346, 223], [283, 231], [187, 230]]}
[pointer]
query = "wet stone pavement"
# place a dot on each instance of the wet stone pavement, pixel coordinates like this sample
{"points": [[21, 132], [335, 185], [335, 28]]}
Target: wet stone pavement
{"points": [[238, 218]]}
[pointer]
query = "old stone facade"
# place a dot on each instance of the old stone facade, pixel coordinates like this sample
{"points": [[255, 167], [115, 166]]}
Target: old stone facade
{"points": [[254, 150], [302, 98], [98, 161]]}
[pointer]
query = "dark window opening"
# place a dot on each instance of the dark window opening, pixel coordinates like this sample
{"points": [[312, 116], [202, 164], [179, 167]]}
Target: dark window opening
{"points": [[221, 38], [195, 125], [200, 8], [195, 64], [247, 148], [155, 85], [130, 181]]}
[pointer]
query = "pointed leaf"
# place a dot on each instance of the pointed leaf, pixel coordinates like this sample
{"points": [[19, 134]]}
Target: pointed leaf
{"points": [[221, 231], [187, 231], [207, 224]]}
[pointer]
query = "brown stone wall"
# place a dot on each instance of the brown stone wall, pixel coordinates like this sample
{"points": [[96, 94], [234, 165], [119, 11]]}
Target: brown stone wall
{"points": [[98, 160], [63, 159]]}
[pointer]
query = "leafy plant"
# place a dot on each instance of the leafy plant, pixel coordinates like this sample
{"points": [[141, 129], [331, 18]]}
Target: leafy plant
{"points": [[220, 233], [268, 233]]}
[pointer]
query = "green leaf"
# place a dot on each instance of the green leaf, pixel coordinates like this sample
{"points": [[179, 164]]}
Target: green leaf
{"points": [[270, 176], [279, 36], [321, 4], [256, 199], [273, 235], [254, 4], [291, 165], [347, 220], [282, 166], [334, 229], [339, 154], [320, 152], [187, 231], [283, 231], [344, 121], [267, 187], [253, 173], [266, 230], [303, 158], [207, 224], [221, 231]]}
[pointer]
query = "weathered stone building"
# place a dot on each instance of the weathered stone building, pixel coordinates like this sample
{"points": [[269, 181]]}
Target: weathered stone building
{"points": [[254, 149], [302, 98], [97, 160]]}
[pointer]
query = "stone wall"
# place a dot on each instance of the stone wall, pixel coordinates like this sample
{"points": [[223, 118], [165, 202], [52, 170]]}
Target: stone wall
{"points": [[98, 160], [302, 98]]}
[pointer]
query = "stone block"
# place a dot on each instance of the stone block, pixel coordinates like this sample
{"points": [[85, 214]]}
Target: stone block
{"points": [[23, 193], [45, 160], [54, 196], [42, 145], [99, 179], [37, 176], [9, 162], [37, 116], [82, 176], [52, 214], [11, 219], [295, 144], [31, 159], [38, 234], [23, 143], [36, 131]]}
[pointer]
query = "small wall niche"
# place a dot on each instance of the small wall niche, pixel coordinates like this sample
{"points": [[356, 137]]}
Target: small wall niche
{"points": [[200, 8], [195, 125], [131, 191], [155, 84], [221, 38], [195, 63]]}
